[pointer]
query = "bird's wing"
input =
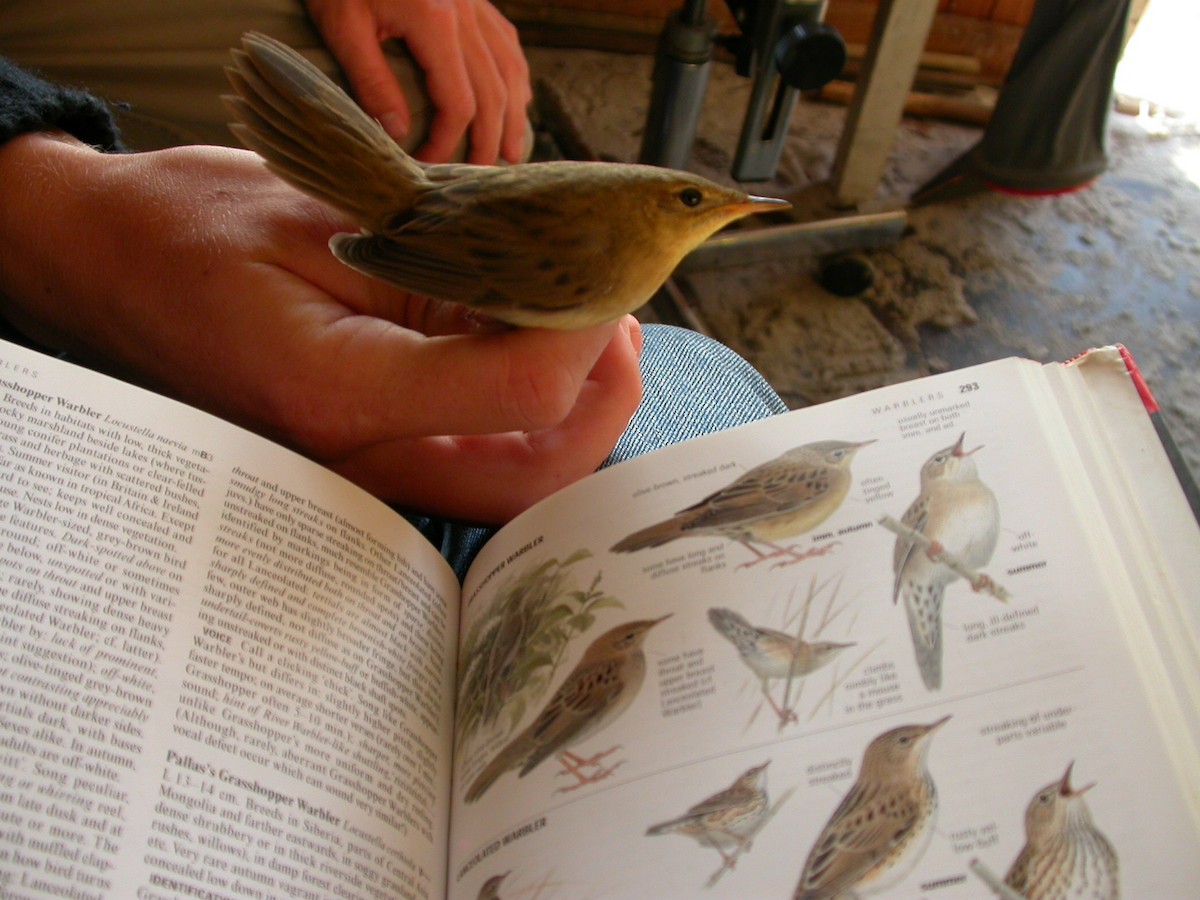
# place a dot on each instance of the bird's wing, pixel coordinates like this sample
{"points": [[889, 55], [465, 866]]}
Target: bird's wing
{"points": [[483, 241], [1017, 877], [853, 842], [719, 801], [763, 491], [915, 518], [578, 705]]}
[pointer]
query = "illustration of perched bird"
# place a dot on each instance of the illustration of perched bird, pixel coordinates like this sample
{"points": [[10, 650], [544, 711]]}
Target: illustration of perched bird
{"points": [[600, 687], [559, 244], [960, 516], [1065, 855], [772, 654], [728, 820], [790, 495], [882, 826]]}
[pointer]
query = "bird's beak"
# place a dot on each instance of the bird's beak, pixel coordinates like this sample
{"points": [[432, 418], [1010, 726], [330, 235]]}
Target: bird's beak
{"points": [[958, 448], [754, 204], [1064, 786], [939, 723]]}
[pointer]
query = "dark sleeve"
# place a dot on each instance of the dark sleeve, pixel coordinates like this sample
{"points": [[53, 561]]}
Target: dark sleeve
{"points": [[28, 103]]}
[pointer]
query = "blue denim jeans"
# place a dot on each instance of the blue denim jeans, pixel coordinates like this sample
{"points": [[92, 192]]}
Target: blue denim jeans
{"points": [[693, 386]]}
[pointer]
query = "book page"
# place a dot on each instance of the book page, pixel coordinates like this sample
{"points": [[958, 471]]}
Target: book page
{"points": [[659, 699], [223, 670]]}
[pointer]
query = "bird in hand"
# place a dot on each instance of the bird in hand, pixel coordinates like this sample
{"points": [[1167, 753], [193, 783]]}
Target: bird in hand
{"points": [[1065, 855], [787, 496], [882, 826], [959, 514], [561, 244], [772, 654], [728, 820], [600, 687]]}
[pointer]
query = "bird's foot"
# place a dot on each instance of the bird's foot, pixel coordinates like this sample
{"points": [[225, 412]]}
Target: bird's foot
{"points": [[982, 582], [785, 716], [934, 551], [577, 767], [796, 556]]}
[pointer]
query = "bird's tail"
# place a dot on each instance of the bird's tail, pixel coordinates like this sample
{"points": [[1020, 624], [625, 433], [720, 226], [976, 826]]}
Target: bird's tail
{"points": [[314, 136], [653, 536], [663, 827], [505, 760], [731, 625], [485, 780], [924, 607]]}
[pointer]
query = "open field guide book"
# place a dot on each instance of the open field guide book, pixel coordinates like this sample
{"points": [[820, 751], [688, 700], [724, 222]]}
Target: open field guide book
{"points": [[934, 640]]}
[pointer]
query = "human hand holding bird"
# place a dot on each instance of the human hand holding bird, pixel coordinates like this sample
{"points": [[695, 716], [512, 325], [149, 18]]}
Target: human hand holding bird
{"points": [[560, 245]]}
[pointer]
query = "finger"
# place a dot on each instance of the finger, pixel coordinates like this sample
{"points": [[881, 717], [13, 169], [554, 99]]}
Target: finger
{"points": [[351, 35], [439, 53], [490, 91], [358, 380], [491, 478], [501, 36]]}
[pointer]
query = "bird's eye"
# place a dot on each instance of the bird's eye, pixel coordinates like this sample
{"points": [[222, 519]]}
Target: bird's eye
{"points": [[690, 197]]}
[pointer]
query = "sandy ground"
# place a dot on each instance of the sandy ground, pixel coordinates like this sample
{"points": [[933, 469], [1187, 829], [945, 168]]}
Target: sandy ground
{"points": [[972, 279]]}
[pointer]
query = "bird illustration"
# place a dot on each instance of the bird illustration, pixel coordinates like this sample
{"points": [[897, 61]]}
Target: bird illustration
{"points": [[882, 826], [728, 820], [491, 888], [561, 244], [787, 496], [595, 693], [772, 654], [1065, 855], [959, 514]]}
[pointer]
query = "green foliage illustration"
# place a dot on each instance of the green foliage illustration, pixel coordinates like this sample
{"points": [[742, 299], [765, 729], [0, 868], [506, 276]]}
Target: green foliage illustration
{"points": [[514, 649]]}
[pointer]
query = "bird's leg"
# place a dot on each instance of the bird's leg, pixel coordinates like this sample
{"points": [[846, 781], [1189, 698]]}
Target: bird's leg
{"points": [[574, 765], [727, 862], [785, 715], [795, 556], [759, 556], [741, 845], [934, 551]]}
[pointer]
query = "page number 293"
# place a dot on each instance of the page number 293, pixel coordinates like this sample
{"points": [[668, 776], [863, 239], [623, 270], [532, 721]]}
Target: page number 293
{"points": [[968, 387]]}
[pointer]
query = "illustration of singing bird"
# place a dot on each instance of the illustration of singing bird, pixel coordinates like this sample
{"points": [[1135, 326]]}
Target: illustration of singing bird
{"points": [[600, 687], [560, 244], [882, 826], [772, 654], [959, 514], [1065, 855], [787, 496], [728, 820]]}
